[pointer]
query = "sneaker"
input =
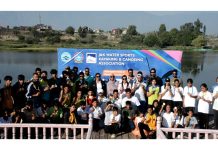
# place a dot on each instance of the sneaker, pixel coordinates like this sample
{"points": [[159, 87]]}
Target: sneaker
{"points": [[113, 136], [178, 137]]}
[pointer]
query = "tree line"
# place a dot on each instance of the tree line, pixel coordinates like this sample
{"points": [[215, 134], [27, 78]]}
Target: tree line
{"points": [[189, 34]]}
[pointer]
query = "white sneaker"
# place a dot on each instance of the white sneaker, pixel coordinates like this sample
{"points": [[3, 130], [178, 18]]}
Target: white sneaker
{"points": [[178, 137], [113, 136]]}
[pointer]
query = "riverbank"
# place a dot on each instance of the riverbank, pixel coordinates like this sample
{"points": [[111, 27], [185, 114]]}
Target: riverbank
{"points": [[22, 47]]}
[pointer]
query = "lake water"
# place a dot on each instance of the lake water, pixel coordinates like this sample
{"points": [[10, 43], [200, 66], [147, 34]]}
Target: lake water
{"points": [[201, 66]]}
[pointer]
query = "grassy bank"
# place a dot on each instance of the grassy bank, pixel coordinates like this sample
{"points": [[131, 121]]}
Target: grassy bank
{"points": [[45, 47]]}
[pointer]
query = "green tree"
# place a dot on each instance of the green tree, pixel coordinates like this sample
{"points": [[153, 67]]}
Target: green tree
{"points": [[162, 28], [186, 34], [70, 30], [164, 39], [198, 25], [53, 39], [132, 30], [174, 36], [151, 39], [204, 30], [199, 41]]}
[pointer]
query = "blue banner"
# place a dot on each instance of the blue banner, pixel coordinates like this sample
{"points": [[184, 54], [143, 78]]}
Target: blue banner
{"points": [[106, 61]]}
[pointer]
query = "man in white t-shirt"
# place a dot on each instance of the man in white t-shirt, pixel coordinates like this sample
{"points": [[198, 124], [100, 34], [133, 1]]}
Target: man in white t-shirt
{"points": [[134, 100], [167, 117], [190, 94], [167, 93], [97, 114], [205, 99], [215, 106], [115, 119], [178, 96], [140, 91], [83, 112]]}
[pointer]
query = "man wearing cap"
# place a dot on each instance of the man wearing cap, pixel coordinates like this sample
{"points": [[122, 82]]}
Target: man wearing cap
{"points": [[7, 100], [102, 100], [167, 93], [19, 90]]}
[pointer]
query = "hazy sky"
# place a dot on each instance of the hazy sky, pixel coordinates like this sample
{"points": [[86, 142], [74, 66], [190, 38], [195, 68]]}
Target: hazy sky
{"points": [[107, 20]]}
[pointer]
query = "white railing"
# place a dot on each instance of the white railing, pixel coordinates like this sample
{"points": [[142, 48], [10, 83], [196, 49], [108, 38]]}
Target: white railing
{"points": [[184, 133], [62, 130]]}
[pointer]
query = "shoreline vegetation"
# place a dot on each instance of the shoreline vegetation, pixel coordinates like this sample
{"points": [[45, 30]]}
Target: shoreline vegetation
{"points": [[22, 47], [42, 38]]}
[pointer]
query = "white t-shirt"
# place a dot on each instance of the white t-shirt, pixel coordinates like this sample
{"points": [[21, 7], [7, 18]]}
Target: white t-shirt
{"points": [[118, 103], [99, 86], [134, 100], [189, 101], [116, 118], [177, 97], [122, 87], [107, 117], [83, 113], [167, 95], [138, 119], [168, 119], [97, 112], [215, 104], [203, 106], [179, 120], [139, 93]]}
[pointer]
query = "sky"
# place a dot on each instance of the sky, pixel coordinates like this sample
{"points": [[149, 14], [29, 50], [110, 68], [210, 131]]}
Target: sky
{"points": [[145, 21]]}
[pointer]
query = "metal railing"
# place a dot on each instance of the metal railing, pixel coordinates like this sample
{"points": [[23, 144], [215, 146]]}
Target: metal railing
{"points": [[46, 131], [184, 133]]}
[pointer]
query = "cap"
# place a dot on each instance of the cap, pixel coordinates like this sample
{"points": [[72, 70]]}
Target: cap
{"points": [[21, 77], [8, 78], [167, 80], [53, 71]]}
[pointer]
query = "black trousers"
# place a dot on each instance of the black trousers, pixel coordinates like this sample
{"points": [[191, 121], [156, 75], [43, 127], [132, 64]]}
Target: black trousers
{"points": [[143, 127], [96, 124], [215, 118], [203, 120], [113, 128], [177, 104]]}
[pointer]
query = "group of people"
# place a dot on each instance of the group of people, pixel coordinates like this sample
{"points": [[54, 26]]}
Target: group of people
{"points": [[129, 105]]}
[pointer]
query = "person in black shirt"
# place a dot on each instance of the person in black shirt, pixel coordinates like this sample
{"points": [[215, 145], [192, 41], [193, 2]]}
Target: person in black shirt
{"points": [[55, 86], [152, 76], [82, 84], [19, 90]]}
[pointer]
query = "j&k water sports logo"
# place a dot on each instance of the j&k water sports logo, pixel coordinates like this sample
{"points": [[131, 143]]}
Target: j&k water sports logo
{"points": [[65, 57], [78, 57]]}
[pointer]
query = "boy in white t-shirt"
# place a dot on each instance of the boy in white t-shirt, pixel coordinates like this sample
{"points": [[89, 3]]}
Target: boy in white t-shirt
{"points": [[114, 121], [205, 99], [167, 93], [178, 94], [215, 105], [190, 94]]}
